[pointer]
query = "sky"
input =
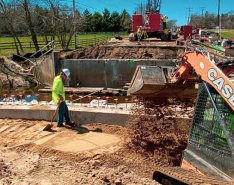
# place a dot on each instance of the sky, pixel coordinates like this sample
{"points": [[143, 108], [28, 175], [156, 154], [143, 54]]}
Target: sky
{"points": [[174, 9]]}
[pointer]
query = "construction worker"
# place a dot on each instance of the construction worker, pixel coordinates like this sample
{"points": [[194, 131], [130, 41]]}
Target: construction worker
{"points": [[140, 33], [164, 21], [58, 95]]}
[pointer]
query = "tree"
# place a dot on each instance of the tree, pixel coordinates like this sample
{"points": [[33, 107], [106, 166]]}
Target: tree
{"points": [[13, 22], [171, 24], [106, 20], [115, 21], [125, 21], [63, 23], [86, 21], [30, 24], [96, 22]]}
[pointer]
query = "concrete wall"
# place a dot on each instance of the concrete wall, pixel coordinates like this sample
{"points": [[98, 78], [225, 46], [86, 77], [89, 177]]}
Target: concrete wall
{"points": [[45, 69], [113, 73], [79, 115]]}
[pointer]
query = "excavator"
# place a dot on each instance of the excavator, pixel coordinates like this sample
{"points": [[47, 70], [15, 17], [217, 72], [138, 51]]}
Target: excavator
{"points": [[211, 138]]}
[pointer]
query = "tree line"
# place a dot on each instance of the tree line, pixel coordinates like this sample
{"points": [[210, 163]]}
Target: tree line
{"points": [[210, 21], [55, 20]]}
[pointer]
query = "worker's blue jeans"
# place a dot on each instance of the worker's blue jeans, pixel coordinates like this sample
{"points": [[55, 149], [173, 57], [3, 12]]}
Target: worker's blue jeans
{"points": [[63, 113]]}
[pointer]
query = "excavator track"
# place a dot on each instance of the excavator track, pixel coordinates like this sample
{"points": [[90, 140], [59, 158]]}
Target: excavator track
{"points": [[180, 176]]}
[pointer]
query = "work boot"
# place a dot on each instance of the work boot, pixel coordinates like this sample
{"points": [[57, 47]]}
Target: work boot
{"points": [[70, 123]]}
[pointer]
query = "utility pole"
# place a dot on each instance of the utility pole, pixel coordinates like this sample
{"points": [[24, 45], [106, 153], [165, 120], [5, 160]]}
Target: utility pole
{"points": [[74, 22], [202, 9], [149, 5], [219, 20], [141, 9], [189, 14]]}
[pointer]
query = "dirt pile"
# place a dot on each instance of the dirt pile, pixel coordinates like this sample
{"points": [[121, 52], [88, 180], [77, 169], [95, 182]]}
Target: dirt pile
{"points": [[155, 134], [168, 107], [13, 75], [118, 52], [157, 138]]}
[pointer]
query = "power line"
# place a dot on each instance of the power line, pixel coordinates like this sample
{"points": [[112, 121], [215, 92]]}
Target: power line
{"points": [[202, 9], [82, 4], [219, 20], [189, 14], [87, 6]]}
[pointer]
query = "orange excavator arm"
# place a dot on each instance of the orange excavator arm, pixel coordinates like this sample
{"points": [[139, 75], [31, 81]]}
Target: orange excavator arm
{"points": [[208, 72]]}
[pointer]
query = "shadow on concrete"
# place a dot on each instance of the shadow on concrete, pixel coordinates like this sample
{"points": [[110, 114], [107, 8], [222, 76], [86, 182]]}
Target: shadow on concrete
{"points": [[83, 130], [51, 130], [79, 129]]}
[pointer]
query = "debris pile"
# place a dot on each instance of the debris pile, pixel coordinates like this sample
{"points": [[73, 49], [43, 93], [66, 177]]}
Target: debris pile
{"points": [[110, 52], [156, 134], [13, 75]]}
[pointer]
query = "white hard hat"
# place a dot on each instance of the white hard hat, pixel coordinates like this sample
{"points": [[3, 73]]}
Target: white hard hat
{"points": [[66, 72]]}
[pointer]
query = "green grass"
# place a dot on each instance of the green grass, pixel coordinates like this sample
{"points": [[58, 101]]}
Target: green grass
{"points": [[83, 40], [225, 33], [42, 38]]}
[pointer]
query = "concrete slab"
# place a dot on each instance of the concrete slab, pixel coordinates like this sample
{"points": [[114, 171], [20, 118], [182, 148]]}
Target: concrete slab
{"points": [[20, 132], [78, 143]]}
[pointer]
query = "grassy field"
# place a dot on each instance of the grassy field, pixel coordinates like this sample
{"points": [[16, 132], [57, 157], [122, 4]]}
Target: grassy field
{"points": [[41, 38], [83, 40], [227, 33]]}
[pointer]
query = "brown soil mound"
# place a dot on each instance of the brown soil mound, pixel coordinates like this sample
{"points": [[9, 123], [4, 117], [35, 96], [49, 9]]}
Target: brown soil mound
{"points": [[157, 135], [102, 52], [158, 139]]}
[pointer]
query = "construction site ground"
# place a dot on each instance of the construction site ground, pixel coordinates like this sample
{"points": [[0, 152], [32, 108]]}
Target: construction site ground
{"points": [[98, 153], [149, 41], [148, 49], [91, 154]]}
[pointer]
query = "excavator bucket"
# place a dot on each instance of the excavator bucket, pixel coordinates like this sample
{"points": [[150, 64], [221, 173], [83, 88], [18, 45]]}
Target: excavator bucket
{"points": [[154, 81]]}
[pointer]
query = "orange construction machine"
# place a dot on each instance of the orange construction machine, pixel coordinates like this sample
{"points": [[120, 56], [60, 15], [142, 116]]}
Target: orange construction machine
{"points": [[212, 133]]}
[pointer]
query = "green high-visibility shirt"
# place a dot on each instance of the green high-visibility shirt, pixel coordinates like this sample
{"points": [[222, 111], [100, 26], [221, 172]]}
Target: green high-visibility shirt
{"points": [[58, 89]]}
